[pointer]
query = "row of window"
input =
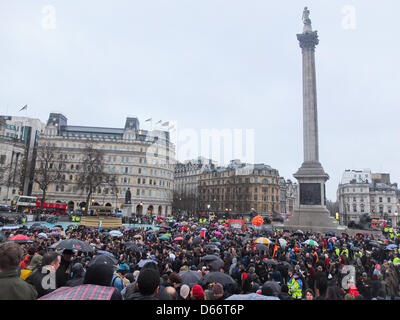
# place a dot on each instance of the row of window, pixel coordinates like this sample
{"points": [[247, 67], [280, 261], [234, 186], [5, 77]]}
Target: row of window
{"points": [[238, 197], [110, 191]]}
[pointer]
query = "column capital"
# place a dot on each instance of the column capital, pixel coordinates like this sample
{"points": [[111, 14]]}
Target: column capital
{"points": [[308, 40]]}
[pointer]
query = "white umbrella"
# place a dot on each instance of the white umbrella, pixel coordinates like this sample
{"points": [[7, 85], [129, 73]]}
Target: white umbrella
{"points": [[283, 243], [116, 233], [42, 235]]}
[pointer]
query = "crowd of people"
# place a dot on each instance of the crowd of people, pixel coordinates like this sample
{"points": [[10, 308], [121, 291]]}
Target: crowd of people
{"points": [[196, 260]]}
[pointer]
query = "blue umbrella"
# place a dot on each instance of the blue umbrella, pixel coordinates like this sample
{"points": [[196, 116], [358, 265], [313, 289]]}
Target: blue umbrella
{"points": [[391, 247]]}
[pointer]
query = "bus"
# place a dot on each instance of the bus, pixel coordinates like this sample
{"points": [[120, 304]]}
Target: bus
{"points": [[21, 203], [52, 207]]}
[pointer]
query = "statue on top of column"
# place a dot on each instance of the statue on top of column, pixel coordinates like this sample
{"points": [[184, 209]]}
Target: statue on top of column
{"points": [[306, 20]]}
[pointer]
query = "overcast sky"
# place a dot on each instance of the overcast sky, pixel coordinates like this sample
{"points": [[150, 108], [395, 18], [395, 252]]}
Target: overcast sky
{"points": [[213, 64]]}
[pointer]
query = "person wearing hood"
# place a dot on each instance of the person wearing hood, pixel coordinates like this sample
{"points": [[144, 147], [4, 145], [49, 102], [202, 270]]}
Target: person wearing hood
{"points": [[12, 287], [35, 263], [78, 275], [96, 286]]}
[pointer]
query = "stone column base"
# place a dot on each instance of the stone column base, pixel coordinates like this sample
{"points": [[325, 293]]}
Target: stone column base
{"points": [[127, 210], [313, 218]]}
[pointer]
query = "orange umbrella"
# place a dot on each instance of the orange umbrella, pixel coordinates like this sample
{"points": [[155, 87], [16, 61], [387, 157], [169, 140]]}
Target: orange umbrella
{"points": [[257, 221]]}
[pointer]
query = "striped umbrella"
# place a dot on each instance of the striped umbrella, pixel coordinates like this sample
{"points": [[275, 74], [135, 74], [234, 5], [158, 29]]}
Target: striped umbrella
{"points": [[262, 240]]}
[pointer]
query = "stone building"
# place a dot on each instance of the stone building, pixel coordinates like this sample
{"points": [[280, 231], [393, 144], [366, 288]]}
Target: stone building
{"points": [[12, 152], [186, 183], [288, 197], [239, 189], [369, 193], [26, 130], [141, 160]]}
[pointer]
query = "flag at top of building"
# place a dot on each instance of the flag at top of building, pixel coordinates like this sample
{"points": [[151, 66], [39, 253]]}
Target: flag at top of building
{"points": [[149, 119], [24, 107], [165, 123]]}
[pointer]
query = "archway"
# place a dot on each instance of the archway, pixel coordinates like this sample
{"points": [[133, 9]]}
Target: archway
{"points": [[71, 205], [139, 209], [108, 204], [150, 210], [95, 204], [159, 210], [82, 205]]}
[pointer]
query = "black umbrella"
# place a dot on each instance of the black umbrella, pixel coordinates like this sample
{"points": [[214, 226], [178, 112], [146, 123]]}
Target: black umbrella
{"points": [[190, 277], [286, 265], [74, 244], [196, 240], [270, 262], [213, 262], [215, 277], [133, 246], [261, 246], [103, 259]]}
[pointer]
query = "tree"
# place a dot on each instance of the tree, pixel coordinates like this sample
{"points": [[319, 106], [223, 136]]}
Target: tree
{"points": [[47, 170], [92, 175]]}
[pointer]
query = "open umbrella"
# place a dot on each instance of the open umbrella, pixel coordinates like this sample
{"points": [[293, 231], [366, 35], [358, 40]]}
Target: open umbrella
{"points": [[218, 234], [103, 259], [215, 277], [190, 277], [196, 240], [164, 238], [262, 240], [261, 247], [299, 232], [116, 233], [178, 239], [54, 234], [283, 243], [42, 235], [271, 262], [391, 247], [19, 238], [133, 246], [251, 296], [10, 227], [107, 253], [144, 261], [311, 242], [74, 244]]}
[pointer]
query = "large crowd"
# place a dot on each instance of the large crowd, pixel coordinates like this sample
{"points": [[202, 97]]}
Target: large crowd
{"points": [[196, 260]]}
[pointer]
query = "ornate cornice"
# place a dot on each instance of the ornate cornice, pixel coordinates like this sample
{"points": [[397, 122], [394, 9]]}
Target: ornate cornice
{"points": [[308, 40]]}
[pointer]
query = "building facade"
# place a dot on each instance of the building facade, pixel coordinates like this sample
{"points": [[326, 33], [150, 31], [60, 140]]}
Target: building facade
{"points": [[186, 183], [363, 192], [141, 160], [12, 154], [26, 130], [288, 196], [239, 189]]}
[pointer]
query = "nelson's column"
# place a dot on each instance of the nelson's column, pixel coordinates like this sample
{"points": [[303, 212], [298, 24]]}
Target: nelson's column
{"points": [[311, 213]]}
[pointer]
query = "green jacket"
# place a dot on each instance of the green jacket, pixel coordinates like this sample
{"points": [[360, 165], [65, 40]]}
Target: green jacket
{"points": [[12, 287]]}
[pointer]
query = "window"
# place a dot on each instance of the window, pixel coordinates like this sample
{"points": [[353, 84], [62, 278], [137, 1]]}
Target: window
{"points": [[388, 200], [380, 199]]}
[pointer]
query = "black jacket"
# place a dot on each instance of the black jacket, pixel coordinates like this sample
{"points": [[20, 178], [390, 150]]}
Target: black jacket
{"points": [[36, 279]]}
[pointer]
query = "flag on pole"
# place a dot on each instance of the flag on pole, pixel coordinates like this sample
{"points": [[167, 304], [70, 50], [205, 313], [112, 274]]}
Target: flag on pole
{"points": [[149, 119], [24, 107], [159, 122], [165, 123]]}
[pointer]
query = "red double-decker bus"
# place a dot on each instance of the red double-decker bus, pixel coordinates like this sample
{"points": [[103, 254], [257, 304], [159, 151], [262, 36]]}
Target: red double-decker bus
{"points": [[53, 208]]}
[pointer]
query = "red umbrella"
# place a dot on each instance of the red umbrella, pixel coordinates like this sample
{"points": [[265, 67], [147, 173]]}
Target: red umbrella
{"points": [[20, 238], [178, 238]]}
